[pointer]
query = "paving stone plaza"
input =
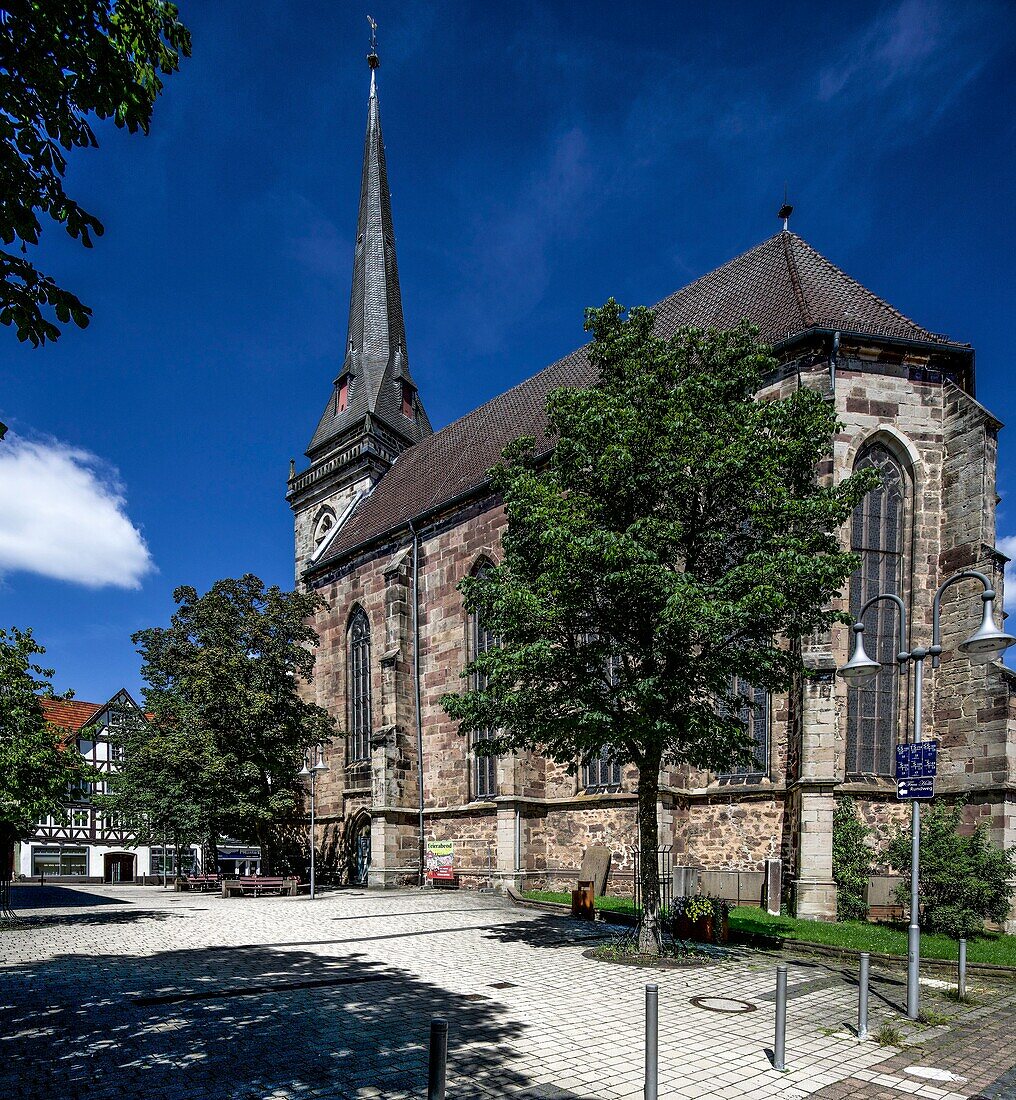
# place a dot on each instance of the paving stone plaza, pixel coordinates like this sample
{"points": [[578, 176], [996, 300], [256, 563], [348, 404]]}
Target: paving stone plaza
{"points": [[134, 992]]}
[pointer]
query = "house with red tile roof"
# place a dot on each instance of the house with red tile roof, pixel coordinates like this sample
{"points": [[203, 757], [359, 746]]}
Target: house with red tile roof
{"points": [[83, 844]]}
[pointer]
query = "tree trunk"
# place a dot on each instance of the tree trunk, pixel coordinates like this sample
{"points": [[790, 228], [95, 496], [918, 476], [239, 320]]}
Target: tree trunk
{"points": [[649, 942], [7, 837], [212, 846], [263, 834]]}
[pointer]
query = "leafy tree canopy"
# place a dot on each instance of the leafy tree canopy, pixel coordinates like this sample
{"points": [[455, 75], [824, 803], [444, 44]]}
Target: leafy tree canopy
{"points": [[676, 537], [34, 768], [168, 780], [62, 61], [229, 727], [964, 879]]}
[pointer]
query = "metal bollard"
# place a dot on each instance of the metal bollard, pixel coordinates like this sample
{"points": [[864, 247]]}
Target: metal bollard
{"points": [[437, 1065], [780, 1045], [961, 984], [862, 998], [652, 1041]]}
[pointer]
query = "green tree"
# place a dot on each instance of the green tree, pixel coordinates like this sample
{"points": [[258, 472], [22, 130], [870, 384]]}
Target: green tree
{"points": [[675, 538], [35, 768], [851, 861], [223, 691], [964, 879], [61, 62], [168, 781]]}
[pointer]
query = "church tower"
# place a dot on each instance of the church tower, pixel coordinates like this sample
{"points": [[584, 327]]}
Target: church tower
{"points": [[373, 412]]}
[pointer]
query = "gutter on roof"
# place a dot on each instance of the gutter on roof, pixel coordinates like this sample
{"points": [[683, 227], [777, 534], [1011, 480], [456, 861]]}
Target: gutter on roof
{"points": [[965, 350], [896, 341]]}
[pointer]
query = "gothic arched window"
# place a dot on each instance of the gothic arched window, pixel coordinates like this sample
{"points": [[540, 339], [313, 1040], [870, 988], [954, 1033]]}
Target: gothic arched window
{"points": [[358, 689], [484, 768], [601, 773], [326, 521], [754, 713], [877, 535]]}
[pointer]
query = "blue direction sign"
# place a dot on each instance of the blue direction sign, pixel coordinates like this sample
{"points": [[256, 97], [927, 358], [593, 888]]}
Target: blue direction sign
{"points": [[921, 787], [917, 761]]}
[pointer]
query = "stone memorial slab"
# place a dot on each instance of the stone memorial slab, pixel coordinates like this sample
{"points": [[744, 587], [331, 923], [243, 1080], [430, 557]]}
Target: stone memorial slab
{"points": [[596, 867]]}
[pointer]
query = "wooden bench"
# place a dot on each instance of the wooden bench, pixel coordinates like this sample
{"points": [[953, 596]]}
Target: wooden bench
{"points": [[203, 882], [257, 885]]}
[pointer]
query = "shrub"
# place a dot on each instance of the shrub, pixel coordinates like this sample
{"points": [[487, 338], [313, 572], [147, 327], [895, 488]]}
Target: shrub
{"points": [[851, 862], [964, 880]]}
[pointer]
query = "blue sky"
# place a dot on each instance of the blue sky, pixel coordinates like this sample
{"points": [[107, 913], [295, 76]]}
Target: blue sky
{"points": [[542, 157]]}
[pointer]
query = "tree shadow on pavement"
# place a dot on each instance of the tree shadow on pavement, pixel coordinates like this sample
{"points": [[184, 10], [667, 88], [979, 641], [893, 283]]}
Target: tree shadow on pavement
{"points": [[70, 920], [58, 897], [255, 1022], [552, 930]]}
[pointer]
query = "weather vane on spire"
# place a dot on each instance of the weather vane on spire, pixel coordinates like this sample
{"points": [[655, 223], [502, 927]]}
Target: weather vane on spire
{"points": [[785, 211], [372, 58]]}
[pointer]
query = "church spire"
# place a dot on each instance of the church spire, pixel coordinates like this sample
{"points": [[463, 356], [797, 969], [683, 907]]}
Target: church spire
{"points": [[374, 380]]}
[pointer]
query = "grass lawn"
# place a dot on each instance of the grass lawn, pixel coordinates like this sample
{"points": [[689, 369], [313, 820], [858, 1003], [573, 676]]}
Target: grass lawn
{"points": [[889, 939]]}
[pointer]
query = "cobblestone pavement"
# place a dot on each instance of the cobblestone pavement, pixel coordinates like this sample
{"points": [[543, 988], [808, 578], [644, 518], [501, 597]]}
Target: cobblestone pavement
{"points": [[135, 993]]}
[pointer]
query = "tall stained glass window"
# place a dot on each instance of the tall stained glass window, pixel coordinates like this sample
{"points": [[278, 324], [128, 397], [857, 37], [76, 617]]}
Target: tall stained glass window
{"points": [[484, 768], [877, 535], [754, 713], [358, 689]]}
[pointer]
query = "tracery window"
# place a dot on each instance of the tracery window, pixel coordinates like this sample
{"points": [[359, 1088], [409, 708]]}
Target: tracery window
{"points": [[326, 521], [877, 535], [601, 773], [484, 768], [358, 689], [754, 713]]}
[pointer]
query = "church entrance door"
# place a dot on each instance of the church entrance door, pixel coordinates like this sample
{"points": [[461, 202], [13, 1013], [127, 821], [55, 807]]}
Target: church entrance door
{"points": [[362, 850]]}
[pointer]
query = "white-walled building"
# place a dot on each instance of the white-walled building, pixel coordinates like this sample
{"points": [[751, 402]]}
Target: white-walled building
{"points": [[88, 845]]}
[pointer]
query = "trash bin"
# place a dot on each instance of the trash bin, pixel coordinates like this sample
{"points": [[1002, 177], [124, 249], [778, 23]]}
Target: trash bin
{"points": [[583, 901]]}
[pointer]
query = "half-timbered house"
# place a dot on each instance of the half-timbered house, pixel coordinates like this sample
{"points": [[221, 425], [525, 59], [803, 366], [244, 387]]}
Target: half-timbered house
{"points": [[83, 842]]}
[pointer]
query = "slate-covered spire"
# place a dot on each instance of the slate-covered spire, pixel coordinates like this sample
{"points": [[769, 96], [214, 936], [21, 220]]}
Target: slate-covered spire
{"points": [[374, 381]]}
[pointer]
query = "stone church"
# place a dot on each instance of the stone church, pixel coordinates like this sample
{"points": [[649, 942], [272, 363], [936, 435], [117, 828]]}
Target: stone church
{"points": [[390, 515]]}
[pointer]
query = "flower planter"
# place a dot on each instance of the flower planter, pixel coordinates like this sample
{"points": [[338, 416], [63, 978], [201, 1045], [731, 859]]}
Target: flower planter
{"points": [[722, 928], [704, 930]]}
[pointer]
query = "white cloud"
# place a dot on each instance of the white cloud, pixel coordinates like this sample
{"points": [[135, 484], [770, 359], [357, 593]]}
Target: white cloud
{"points": [[63, 515]]}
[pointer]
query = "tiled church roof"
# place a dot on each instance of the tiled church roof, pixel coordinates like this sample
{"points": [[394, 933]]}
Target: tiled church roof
{"points": [[782, 286]]}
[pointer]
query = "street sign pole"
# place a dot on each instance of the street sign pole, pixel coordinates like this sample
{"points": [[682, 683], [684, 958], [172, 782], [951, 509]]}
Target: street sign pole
{"points": [[914, 931]]}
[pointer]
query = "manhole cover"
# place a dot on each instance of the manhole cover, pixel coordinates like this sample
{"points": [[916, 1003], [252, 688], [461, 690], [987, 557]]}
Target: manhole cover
{"points": [[501, 985], [722, 1004]]}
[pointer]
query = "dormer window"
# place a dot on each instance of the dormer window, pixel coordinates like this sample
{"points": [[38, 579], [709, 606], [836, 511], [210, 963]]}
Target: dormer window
{"points": [[342, 396], [408, 400]]}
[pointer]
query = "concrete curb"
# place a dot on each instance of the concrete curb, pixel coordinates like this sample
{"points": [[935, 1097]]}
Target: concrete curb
{"points": [[933, 966]]}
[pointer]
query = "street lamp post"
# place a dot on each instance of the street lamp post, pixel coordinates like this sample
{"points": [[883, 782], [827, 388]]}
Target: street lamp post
{"points": [[312, 770], [986, 643]]}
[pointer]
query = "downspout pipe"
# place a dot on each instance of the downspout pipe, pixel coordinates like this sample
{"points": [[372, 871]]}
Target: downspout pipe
{"points": [[832, 362], [416, 690]]}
